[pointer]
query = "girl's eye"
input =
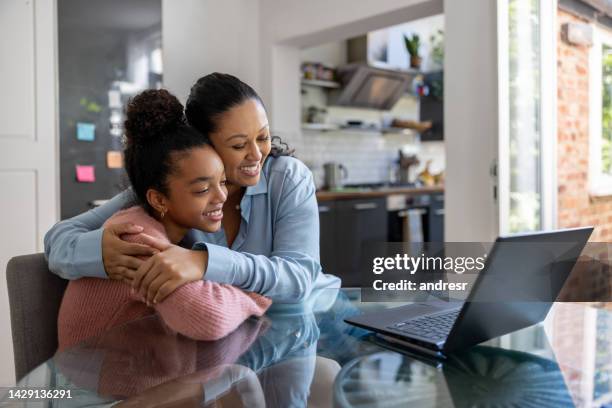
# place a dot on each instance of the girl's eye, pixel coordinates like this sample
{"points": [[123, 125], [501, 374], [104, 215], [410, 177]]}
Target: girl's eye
{"points": [[263, 138], [238, 147], [201, 191], [223, 182]]}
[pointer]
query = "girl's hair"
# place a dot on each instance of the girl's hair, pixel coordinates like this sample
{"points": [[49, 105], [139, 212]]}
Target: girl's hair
{"points": [[155, 128], [216, 93]]}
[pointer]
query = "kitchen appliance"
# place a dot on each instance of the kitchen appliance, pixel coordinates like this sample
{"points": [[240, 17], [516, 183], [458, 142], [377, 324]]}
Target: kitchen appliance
{"points": [[335, 174], [365, 85], [407, 161], [369, 87]]}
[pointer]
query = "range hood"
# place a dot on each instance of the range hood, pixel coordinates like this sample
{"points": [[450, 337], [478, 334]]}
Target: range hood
{"points": [[367, 86]]}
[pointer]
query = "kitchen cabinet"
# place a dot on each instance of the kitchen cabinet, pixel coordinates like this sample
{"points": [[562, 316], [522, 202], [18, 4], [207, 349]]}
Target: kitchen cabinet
{"points": [[347, 225], [436, 218], [327, 222]]}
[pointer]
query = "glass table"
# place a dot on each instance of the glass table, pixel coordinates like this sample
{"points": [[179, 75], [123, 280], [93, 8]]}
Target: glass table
{"points": [[305, 355]]}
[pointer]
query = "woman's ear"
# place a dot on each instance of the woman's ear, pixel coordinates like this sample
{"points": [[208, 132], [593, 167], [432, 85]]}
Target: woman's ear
{"points": [[157, 200]]}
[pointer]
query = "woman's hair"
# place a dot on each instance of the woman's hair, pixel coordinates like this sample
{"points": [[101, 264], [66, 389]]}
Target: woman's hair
{"points": [[216, 93], [155, 128]]}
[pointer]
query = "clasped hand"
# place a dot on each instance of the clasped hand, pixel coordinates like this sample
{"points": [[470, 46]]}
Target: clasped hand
{"points": [[154, 278], [164, 272]]}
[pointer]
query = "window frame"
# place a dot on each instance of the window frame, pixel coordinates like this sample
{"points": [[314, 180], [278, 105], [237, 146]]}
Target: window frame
{"points": [[600, 183]]}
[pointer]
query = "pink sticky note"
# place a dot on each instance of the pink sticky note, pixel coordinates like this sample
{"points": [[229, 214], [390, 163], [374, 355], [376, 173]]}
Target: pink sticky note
{"points": [[85, 174]]}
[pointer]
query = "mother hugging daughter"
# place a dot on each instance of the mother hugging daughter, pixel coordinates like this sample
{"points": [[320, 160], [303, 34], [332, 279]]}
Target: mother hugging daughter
{"points": [[267, 241], [179, 181]]}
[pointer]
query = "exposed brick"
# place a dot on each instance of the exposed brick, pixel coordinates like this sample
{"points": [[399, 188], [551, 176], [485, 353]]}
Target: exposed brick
{"points": [[575, 205]]}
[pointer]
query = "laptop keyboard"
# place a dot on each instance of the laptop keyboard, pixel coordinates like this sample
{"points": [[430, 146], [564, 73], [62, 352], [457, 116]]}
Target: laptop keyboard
{"points": [[434, 327]]}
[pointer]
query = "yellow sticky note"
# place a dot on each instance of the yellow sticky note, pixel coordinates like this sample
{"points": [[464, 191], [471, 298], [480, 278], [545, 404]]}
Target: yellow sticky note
{"points": [[114, 160]]}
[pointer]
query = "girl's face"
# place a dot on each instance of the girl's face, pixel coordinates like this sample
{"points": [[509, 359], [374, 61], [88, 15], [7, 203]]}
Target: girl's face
{"points": [[196, 191], [242, 139]]}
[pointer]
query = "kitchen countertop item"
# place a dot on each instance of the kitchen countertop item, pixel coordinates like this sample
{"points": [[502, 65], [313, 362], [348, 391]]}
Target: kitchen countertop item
{"points": [[353, 192]]}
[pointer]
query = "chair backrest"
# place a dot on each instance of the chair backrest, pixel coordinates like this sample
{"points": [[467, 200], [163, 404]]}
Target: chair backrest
{"points": [[35, 295]]}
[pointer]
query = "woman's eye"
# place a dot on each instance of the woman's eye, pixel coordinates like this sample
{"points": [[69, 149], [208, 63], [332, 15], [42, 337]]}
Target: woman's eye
{"points": [[202, 191], [223, 182], [238, 147], [263, 138]]}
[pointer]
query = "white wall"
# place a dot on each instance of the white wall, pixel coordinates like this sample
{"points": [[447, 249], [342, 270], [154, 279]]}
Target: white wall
{"points": [[332, 54], [471, 119], [28, 142], [200, 37]]}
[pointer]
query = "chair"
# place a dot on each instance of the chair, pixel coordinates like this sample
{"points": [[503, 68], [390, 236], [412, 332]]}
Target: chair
{"points": [[35, 295]]}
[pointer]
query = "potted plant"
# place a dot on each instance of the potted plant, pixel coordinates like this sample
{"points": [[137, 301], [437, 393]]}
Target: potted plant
{"points": [[412, 46]]}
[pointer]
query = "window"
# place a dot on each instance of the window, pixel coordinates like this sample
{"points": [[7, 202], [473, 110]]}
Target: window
{"points": [[600, 72], [525, 122]]}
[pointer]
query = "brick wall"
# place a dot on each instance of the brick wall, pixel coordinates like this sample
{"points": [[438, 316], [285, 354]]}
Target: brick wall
{"points": [[576, 207]]}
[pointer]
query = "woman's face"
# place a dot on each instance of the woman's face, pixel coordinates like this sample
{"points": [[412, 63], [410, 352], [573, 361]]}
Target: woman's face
{"points": [[196, 190], [242, 139]]}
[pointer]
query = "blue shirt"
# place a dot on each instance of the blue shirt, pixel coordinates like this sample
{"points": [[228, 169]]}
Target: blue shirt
{"points": [[276, 251]]}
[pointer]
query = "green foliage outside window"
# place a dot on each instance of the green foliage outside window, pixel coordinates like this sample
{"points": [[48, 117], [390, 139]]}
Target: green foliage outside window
{"points": [[606, 109]]}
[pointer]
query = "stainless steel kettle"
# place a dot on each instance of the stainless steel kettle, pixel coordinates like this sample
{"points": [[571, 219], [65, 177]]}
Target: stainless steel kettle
{"points": [[335, 174]]}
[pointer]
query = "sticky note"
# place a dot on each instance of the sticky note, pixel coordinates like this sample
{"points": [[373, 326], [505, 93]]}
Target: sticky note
{"points": [[114, 159], [85, 174], [86, 131]]}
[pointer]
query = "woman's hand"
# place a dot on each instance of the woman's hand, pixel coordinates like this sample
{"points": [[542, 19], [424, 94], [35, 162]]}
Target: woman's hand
{"points": [[165, 271], [120, 257]]}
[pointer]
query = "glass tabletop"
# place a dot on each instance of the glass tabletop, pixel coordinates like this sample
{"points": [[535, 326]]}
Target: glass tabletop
{"points": [[305, 355]]}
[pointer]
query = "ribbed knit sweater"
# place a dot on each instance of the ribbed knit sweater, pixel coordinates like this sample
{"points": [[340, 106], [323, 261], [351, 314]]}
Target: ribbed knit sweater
{"points": [[200, 310]]}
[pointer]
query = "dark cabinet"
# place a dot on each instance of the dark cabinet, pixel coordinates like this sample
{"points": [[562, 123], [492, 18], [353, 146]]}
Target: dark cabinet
{"points": [[346, 226], [436, 218], [327, 217]]}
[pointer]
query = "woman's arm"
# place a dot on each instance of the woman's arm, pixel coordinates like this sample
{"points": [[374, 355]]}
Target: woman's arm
{"points": [[209, 311], [73, 247], [287, 275]]}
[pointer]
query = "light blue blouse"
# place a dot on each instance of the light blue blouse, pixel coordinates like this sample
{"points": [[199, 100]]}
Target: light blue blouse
{"points": [[276, 251]]}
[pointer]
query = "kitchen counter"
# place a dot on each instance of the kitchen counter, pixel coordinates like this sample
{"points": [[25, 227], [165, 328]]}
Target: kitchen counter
{"points": [[352, 193]]}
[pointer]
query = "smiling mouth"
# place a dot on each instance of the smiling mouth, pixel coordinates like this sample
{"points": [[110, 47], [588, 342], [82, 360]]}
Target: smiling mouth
{"points": [[215, 214], [251, 170]]}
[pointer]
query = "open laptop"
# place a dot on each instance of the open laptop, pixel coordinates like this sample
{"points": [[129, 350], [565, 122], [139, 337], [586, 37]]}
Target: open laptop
{"points": [[521, 278]]}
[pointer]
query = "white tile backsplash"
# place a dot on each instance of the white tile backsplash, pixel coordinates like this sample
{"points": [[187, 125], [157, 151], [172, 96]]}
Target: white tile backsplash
{"points": [[368, 156]]}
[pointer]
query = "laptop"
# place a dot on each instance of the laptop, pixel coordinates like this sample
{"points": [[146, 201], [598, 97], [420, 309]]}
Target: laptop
{"points": [[520, 280]]}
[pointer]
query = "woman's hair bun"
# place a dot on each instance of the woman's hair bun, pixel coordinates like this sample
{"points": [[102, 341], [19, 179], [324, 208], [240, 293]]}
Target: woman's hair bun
{"points": [[150, 114]]}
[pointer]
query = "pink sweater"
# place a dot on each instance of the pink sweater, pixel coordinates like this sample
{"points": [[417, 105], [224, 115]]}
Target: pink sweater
{"points": [[200, 310]]}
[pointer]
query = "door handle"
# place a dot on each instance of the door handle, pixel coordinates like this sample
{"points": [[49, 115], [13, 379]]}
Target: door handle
{"points": [[403, 214], [365, 206]]}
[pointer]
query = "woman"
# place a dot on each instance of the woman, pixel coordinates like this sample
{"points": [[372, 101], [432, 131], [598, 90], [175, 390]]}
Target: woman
{"points": [[269, 242], [179, 181]]}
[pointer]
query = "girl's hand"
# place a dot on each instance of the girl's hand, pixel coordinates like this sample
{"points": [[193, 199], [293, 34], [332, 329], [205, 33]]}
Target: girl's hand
{"points": [[165, 271], [120, 257]]}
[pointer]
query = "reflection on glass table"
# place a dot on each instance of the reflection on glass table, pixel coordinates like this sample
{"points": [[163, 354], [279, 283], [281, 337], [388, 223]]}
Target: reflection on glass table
{"points": [[305, 355]]}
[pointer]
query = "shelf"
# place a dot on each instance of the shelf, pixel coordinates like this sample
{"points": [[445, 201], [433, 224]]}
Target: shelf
{"points": [[320, 126], [326, 127], [384, 131], [320, 83]]}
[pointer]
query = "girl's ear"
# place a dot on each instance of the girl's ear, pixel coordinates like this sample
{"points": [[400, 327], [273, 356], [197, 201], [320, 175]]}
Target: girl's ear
{"points": [[158, 201]]}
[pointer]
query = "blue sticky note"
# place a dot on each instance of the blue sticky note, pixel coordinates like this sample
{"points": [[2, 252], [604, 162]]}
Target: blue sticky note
{"points": [[86, 131]]}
